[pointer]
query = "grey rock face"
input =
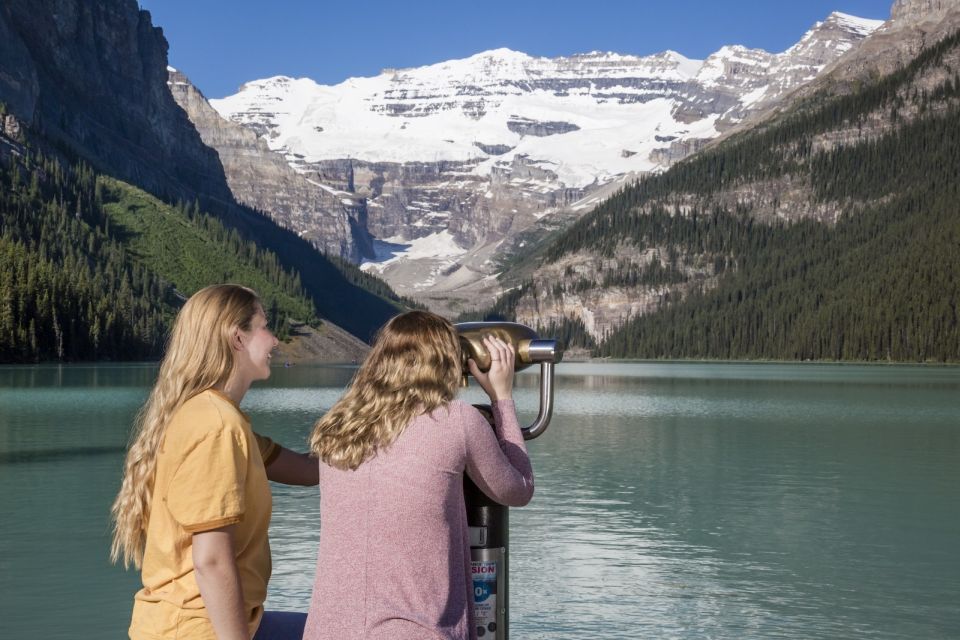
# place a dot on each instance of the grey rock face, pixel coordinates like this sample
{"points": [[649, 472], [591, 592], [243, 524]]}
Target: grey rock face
{"points": [[493, 149], [406, 201], [573, 287], [678, 150], [915, 10], [92, 75], [19, 86], [528, 127], [260, 178], [412, 200], [913, 25], [726, 76], [10, 127], [737, 82]]}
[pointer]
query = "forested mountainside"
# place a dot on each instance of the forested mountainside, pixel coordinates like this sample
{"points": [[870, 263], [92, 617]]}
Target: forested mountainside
{"points": [[831, 232], [94, 268]]}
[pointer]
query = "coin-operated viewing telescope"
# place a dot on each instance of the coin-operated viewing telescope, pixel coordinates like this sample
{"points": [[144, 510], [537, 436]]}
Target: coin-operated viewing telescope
{"points": [[489, 520]]}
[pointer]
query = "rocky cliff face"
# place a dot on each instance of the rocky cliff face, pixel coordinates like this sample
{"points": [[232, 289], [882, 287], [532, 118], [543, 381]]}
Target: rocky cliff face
{"points": [[905, 11], [913, 25], [578, 287], [333, 221], [92, 75], [412, 200], [754, 80]]}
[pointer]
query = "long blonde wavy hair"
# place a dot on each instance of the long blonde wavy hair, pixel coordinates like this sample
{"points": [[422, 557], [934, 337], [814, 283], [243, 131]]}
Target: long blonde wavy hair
{"points": [[413, 368], [198, 356]]}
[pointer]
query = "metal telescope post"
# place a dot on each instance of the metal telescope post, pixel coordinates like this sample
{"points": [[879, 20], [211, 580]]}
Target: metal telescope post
{"points": [[489, 520]]}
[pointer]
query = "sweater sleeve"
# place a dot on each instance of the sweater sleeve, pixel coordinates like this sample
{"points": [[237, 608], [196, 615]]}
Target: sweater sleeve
{"points": [[497, 461]]}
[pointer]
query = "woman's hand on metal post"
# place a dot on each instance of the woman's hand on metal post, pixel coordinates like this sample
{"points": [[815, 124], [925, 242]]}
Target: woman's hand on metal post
{"points": [[498, 381]]}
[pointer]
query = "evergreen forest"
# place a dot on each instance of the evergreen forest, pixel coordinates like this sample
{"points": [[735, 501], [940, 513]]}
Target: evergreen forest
{"points": [[80, 280], [92, 268]]}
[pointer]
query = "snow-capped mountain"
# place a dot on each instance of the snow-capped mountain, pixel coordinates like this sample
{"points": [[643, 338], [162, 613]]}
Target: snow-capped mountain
{"points": [[755, 79], [476, 150], [492, 106]]}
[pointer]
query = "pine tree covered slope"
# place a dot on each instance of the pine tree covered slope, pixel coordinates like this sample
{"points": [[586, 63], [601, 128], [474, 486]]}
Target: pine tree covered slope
{"points": [[830, 233], [68, 291], [91, 268], [192, 249]]}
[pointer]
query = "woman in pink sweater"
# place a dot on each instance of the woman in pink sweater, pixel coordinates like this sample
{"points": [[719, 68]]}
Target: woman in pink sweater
{"points": [[394, 558]]}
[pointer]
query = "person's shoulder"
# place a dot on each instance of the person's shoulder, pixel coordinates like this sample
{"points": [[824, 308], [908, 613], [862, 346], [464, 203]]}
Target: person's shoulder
{"points": [[212, 404], [452, 411], [459, 407], [205, 414], [465, 411]]}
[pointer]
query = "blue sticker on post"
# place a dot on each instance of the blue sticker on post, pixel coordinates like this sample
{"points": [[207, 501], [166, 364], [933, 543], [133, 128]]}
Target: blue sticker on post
{"points": [[484, 594]]}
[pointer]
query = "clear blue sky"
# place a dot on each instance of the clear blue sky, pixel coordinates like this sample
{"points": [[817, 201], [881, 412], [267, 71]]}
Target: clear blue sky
{"points": [[221, 44]]}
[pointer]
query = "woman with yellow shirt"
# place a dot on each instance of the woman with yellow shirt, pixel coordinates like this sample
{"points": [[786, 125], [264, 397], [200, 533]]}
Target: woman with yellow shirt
{"points": [[194, 507]]}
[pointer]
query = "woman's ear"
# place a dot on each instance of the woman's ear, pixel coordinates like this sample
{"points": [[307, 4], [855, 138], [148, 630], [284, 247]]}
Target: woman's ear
{"points": [[236, 339]]}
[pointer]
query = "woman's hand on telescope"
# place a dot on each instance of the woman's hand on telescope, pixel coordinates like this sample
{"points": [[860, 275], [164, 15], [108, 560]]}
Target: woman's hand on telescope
{"points": [[498, 381]]}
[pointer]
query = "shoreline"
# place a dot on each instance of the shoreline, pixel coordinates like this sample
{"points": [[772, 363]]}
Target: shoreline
{"points": [[279, 362]]}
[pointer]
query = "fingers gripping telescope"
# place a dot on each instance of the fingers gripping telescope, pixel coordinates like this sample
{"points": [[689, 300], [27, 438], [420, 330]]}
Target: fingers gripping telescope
{"points": [[530, 349]]}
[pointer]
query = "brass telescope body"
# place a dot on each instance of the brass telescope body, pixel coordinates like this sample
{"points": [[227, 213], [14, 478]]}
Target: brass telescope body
{"points": [[530, 349]]}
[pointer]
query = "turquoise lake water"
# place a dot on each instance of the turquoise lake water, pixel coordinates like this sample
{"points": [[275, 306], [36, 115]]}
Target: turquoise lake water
{"points": [[674, 500]]}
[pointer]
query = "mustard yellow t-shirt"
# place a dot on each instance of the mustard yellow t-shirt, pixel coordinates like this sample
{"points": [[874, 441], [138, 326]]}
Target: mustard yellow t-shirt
{"points": [[210, 473]]}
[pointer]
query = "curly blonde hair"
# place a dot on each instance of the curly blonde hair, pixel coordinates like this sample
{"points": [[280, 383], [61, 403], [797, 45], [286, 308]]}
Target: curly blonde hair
{"points": [[198, 357], [413, 368]]}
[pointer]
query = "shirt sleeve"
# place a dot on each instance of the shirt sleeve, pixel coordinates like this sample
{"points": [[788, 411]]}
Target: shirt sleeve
{"points": [[497, 461], [269, 450], [206, 491]]}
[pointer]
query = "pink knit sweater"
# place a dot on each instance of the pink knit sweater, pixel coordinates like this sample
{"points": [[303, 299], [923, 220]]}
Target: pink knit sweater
{"points": [[394, 559]]}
